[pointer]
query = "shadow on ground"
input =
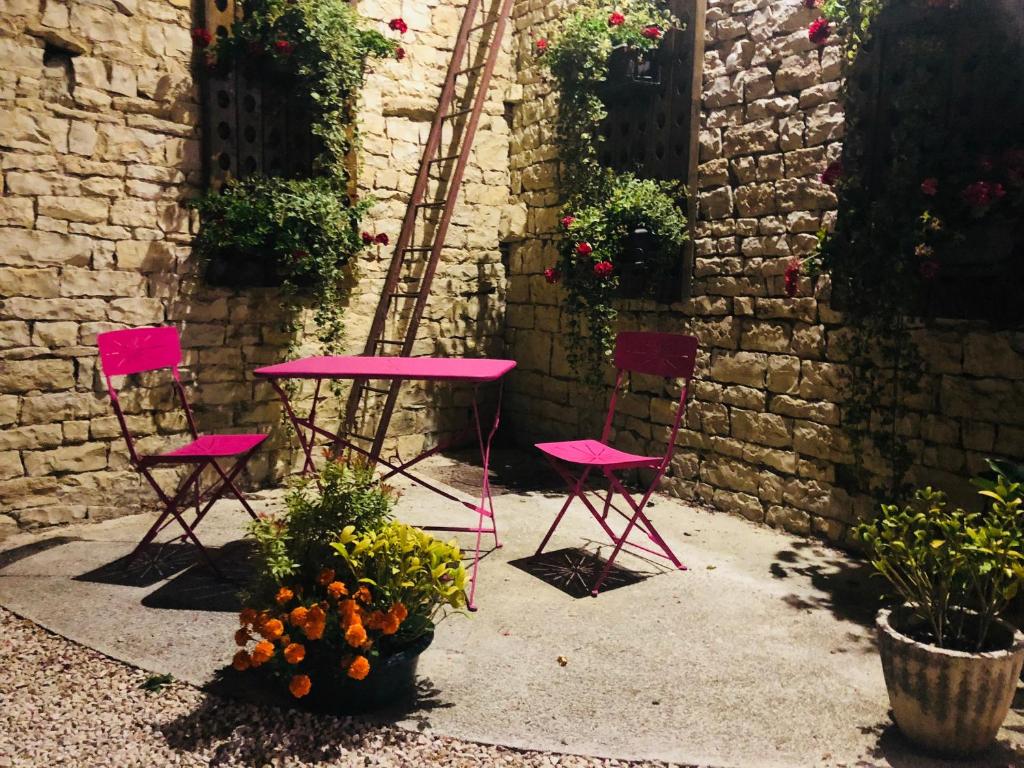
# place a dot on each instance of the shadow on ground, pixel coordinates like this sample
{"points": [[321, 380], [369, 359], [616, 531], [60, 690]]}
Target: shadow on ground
{"points": [[851, 590]]}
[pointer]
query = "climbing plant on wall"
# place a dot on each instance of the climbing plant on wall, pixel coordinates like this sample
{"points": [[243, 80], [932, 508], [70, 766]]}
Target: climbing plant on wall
{"points": [[603, 208], [930, 188], [306, 229]]}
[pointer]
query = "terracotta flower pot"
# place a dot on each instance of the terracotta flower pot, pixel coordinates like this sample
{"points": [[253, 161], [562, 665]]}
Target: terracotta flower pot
{"points": [[950, 702]]}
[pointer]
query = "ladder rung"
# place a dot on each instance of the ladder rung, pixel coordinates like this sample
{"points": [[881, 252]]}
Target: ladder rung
{"points": [[357, 436], [444, 159], [413, 295], [378, 390], [467, 70], [391, 342], [482, 25], [460, 113], [430, 205], [422, 248]]}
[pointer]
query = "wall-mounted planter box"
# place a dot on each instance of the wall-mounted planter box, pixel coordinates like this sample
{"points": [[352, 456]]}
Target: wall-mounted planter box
{"points": [[642, 272], [633, 73]]}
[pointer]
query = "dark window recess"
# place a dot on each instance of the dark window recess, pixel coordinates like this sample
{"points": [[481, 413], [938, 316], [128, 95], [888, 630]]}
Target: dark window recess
{"points": [[254, 121], [650, 130], [973, 105]]}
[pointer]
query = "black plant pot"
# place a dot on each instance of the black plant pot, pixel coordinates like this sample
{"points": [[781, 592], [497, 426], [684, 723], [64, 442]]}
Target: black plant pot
{"points": [[390, 680]]}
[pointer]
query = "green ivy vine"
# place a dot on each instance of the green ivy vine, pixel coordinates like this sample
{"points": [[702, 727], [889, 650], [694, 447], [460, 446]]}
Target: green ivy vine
{"points": [[602, 207], [310, 227], [914, 193]]}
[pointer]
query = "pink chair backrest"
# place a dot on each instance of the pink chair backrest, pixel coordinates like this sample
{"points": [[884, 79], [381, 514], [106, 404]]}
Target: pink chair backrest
{"points": [[669, 355], [135, 350]]}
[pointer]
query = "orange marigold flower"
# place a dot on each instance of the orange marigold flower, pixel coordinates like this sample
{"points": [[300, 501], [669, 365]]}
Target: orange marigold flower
{"points": [[272, 629], [316, 614], [294, 653], [400, 611], [262, 653], [355, 635], [314, 631], [359, 668], [326, 577], [284, 595], [286, 640], [247, 617], [376, 620], [391, 623], [337, 590], [363, 595], [299, 685], [241, 661], [242, 636], [298, 616], [350, 612]]}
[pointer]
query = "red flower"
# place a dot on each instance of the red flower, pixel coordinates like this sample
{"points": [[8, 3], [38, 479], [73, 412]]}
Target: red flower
{"points": [[616, 19], [541, 45], [552, 275], [929, 270], [652, 32], [201, 37], [399, 53], [584, 249], [568, 221], [399, 26], [818, 32], [812, 3], [981, 194], [930, 186], [792, 276], [382, 238], [367, 237], [283, 47], [833, 173], [603, 269]]}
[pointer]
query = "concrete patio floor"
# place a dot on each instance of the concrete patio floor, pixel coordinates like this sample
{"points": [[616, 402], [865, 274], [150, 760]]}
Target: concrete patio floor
{"points": [[761, 654]]}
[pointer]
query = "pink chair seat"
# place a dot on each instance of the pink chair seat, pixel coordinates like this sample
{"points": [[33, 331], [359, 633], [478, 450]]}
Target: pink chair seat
{"points": [[596, 454], [209, 447]]}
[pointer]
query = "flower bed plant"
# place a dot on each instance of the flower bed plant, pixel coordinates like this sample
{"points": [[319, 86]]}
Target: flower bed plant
{"points": [[341, 589], [602, 207]]}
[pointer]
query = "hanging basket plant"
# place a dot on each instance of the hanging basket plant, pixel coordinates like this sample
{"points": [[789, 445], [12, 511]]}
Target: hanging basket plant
{"points": [[298, 233], [599, 47]]}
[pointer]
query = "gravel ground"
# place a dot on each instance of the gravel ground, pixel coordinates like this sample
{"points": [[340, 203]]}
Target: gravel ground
{"points": [[65, 705]]}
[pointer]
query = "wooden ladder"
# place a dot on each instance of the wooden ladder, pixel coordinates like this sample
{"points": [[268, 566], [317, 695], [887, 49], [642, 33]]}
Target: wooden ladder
{"points": [[477, 74]]}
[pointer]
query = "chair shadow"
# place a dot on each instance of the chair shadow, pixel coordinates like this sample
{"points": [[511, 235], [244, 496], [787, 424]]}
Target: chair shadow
{"points": [[200, 588], [233, 721], [155, 563], [574, 570], [512, 471]]}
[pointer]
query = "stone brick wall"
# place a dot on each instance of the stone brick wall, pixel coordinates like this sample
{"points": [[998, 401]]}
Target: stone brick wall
{"points": [[763, 435], [99, 146]]}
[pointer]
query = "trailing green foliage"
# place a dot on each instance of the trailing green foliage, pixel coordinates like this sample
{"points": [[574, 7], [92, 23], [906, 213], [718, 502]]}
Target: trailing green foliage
{"points": [[604, 205], [958, 570], [607, 225], [309, 227]]}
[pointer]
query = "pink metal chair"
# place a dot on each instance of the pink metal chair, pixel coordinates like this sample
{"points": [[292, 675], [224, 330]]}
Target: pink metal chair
{"points": [[656, 354], [137, 350]]}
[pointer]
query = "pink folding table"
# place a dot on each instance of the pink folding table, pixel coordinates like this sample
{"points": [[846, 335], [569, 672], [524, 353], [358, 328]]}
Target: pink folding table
{"points": [[475, 371]]}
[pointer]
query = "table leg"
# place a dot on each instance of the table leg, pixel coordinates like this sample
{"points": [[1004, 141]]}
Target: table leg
{"points": [[298, 424], [486, 500]]}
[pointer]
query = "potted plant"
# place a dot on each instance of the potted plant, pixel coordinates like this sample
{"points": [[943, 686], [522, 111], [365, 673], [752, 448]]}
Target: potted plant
{"points": [[950, 663], [344, 599]]}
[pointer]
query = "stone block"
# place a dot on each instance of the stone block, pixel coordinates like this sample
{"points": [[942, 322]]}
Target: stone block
{"points": [[44, 375], [761, 428]]}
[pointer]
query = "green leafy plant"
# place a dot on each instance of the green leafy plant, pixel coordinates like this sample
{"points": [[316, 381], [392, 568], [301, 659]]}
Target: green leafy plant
{"points": [[345, 494], [957, 570], [600, 203], [339, 587], [308, 227], [402, 564], [605, 226]]}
